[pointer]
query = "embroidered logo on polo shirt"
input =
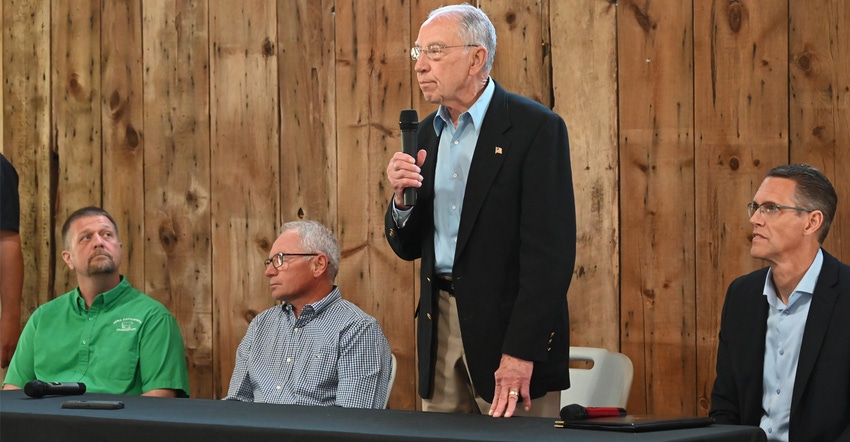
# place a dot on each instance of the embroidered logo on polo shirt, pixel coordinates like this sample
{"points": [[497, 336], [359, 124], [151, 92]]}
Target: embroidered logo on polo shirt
{"points": [[127, 324]]}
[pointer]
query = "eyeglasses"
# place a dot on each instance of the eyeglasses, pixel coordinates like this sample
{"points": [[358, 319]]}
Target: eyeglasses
{"points": [[770, 209], [278, 259], [434, 52]]}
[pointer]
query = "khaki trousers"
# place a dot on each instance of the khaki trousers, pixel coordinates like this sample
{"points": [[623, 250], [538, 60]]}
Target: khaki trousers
{"points": [[453, 389]]}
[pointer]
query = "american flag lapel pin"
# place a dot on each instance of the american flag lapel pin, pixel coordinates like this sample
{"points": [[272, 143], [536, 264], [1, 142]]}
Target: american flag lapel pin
{"points": [[498, 150]]}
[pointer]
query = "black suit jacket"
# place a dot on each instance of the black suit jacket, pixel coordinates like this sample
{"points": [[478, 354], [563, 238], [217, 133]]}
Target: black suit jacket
{"points": [[515, 247], [820, 404]]}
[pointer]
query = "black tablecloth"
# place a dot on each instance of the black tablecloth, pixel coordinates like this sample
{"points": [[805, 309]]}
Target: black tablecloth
{"points": [[160, 419]]}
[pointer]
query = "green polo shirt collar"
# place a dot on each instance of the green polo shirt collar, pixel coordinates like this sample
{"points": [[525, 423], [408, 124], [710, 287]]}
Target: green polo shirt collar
{"points": [[104, 300]]}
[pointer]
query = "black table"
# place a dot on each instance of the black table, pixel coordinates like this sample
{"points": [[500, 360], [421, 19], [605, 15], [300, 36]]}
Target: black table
{"points": [[160, 419]]}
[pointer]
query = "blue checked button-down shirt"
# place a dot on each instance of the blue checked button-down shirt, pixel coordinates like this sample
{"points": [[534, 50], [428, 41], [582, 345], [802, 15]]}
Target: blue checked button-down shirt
{"points": [[332, 354]]}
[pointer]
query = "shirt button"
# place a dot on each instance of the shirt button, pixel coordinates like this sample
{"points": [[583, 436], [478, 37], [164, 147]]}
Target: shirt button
{"points": [[277, 387], [456, 142], [296, 329], [84, 342], [778, 390], [454, 207], [288, 359], [91, 319], [781, 352], [454, 175]]}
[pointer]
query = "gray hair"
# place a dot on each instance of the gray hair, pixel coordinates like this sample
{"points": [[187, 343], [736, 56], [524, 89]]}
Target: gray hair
{"points": [[813, 191], [316, 238], [475, 27]]}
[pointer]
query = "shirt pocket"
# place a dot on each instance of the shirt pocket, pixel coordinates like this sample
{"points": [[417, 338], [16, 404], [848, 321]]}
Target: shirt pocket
{"points": [[114, 352]]}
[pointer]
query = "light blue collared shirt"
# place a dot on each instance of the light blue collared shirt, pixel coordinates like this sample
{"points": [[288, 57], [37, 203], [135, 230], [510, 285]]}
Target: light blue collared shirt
{"points": [[785, 327], [454, 157]]}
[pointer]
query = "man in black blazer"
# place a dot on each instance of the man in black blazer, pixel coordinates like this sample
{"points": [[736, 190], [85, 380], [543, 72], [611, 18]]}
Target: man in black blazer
{"points": [[494, 226], [783, 361]]}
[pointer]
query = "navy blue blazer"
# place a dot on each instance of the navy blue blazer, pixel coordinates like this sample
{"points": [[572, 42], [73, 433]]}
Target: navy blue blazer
{"points": [[820, 402], [516, 246]]}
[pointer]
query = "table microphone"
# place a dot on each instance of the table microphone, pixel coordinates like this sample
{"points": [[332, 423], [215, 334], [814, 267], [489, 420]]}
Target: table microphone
{"points": [[39, 389], [576, 412]]}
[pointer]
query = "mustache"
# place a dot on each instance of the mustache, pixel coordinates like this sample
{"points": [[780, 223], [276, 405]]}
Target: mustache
{"points": [[100, 252]]}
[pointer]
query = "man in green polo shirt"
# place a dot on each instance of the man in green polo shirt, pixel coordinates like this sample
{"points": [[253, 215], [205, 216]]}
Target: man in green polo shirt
{"points": [[105, 333]]}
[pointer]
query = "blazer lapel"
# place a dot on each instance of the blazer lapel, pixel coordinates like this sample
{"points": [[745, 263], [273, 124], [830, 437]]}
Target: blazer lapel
{"points": [[820, 313], [490, 151]]}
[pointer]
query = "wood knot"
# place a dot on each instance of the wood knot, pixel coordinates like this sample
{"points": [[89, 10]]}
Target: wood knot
{"points": [[300, 213], [268, 47], [735, 15], [263, 243], [818, 131], [167, 236], [116, 105], [192, 199], [132, 136], [249, 315], [74, 84], [734, 163], [510, 18], [804, 62]]}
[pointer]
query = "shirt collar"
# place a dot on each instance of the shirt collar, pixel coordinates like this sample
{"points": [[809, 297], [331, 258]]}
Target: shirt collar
{"points": [[104, 300], [476, 112], [318, 306], [806, 285]]}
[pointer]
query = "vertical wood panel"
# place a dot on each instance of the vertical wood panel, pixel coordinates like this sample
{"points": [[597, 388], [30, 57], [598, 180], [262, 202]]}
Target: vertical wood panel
{"points": [[178, 248], [123, 143], [307, 103], [372, 79], [26, 138], [657, 176], [819, 43], [244, 168], [741, 127], [522, 49], [584, 85], [76, 108]]}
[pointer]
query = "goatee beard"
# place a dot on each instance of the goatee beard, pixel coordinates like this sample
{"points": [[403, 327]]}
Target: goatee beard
{"points": [[102, 268]]}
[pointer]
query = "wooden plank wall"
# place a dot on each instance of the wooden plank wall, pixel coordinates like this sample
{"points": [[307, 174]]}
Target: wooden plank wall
{"points": [[202, 125]]}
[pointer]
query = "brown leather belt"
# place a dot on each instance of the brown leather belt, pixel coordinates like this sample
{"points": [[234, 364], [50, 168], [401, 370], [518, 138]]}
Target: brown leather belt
{"points": [[444, 283]]}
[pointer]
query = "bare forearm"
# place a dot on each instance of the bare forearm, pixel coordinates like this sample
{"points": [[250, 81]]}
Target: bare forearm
{"points": [[11, 286], [11, 271], [160, 392]]}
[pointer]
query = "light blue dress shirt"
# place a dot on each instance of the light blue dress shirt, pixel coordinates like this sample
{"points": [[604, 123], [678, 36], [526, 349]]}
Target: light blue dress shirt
{"points": [[457, 145], [785, 326]]}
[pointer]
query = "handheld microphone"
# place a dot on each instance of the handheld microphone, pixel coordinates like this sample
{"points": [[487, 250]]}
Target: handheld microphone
{"points": [[39, 389], [408, 122], [576, 412]]}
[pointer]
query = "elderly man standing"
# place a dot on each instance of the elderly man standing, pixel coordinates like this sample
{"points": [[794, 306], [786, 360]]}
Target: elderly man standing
{"points": [[315, 348], [494, 225], [105, 333]]}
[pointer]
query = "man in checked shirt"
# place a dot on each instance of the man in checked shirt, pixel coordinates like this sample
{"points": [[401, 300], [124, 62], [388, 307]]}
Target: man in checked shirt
{"points": [[315, 348]]}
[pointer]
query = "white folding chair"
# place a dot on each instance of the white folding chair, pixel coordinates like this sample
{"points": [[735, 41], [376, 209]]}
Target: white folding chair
{"points": [[392, 379], [606, 383]]}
